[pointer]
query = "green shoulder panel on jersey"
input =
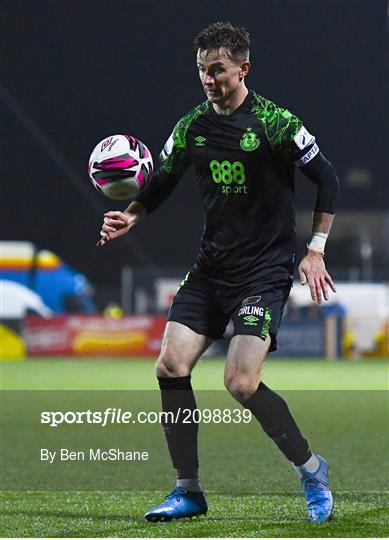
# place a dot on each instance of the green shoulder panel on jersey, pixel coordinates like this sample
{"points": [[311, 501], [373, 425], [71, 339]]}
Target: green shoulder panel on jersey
{"points": [[280, 125], [173, 156]]}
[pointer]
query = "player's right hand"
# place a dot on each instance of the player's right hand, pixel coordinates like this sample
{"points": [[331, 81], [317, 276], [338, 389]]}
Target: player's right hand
{"points": [[115, 224]]}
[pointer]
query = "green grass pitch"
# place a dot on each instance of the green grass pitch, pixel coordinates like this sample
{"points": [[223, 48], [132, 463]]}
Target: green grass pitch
{"points": [[355, 417]]}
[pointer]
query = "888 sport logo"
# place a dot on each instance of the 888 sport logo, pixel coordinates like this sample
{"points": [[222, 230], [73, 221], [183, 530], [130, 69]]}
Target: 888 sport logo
{"points": [[231, 176]]}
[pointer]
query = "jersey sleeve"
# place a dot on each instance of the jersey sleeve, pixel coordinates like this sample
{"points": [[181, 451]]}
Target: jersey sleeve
{"points": [[158, 190], [284, 130], [174, 156], [173, 163], [288, 136]]}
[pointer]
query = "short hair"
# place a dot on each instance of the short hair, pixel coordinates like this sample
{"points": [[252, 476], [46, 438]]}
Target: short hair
{"points": [[235, 39]]}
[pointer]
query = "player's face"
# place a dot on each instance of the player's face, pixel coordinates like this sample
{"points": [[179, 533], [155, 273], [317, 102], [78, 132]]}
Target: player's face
{"points": [[219, 75]]}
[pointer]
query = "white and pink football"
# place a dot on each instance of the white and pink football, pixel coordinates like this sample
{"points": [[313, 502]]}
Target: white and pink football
{"points": [[120, 166]]}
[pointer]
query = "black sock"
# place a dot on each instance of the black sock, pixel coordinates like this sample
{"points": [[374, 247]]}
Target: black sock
{"points": [[177, 393], [273, 414]]}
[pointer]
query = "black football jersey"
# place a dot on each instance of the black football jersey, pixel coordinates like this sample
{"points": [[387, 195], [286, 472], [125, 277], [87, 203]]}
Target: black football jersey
{"points": [[244, 164]]}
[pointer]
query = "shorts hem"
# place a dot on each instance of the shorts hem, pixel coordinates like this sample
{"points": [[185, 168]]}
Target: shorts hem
{"points": [[273, 337], [192, 327]]}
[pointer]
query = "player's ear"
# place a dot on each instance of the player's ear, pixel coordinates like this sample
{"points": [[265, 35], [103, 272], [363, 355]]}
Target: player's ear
{"points": [[244, 69]]}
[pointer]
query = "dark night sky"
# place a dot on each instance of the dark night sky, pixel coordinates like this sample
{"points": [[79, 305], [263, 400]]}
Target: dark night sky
{"points": [[78, 71]]}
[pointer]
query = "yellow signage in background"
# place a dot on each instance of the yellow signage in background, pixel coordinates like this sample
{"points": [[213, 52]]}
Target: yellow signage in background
{"points": [[11, 345], [92, 342]]}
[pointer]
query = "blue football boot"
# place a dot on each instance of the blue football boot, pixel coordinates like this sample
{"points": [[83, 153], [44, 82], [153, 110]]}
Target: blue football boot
{"points": [[179, 504], [317, 491]]}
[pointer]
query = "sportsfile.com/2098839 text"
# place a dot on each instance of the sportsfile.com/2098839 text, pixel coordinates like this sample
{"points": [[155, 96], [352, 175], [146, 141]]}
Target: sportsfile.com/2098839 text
{"points": [[118, 416]]}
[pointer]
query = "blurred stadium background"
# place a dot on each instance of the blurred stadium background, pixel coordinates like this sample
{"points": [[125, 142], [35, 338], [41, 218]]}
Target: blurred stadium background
{"points": [[82, 71]]}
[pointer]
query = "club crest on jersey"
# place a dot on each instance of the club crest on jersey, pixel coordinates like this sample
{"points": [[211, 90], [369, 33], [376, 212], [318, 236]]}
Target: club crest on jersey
{"points": [[249, 140]]}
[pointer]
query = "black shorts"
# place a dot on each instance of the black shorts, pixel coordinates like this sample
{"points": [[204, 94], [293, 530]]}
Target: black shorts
{"points": [[207, 308]]}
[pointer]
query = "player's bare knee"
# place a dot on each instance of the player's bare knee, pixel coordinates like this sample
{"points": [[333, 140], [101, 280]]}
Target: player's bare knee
{"points": [[241, 388], [170, 366], [164, 368]]}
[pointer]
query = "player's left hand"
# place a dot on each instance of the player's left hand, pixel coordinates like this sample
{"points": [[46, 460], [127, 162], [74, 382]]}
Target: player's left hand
{"points": [[313, 270]]}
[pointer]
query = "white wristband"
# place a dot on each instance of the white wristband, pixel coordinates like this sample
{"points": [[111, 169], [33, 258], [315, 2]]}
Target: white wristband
{"points": [[318, 242]]}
